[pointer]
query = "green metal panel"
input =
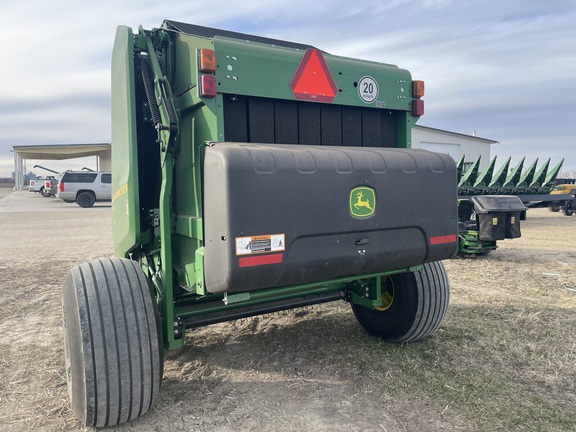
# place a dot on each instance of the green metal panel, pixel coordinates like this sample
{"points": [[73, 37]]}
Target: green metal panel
{"points": [[528, 176], [404, 123], [249, 68], [499, 178], [514, 177], [549, 182], [459, 167], [470, 176], [199, 123], [486, 176], [125, 193], [185, 70], [540, 176]]}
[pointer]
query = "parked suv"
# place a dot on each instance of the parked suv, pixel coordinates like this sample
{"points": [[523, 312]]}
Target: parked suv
{"points": [[85, 188]]}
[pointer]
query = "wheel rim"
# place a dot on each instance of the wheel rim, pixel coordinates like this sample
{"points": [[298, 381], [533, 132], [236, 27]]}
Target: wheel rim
{"points": [[387, 295], [85, 199]]}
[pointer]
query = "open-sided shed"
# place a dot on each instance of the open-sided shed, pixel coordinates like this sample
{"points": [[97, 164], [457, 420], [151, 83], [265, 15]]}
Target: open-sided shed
{"points": [[59, 152]]}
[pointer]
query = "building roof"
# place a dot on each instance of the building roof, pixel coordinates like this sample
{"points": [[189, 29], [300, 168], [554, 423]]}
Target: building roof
{"points": [[61, 151], [489, 141]]}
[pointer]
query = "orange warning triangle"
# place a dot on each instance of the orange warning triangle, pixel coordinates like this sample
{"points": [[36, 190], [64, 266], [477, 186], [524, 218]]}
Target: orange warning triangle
{"points": [[312, 80]]}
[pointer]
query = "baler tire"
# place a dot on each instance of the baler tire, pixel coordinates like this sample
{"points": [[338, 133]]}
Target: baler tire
{"points": [[85, 199], [418, 306], [112, 342]]}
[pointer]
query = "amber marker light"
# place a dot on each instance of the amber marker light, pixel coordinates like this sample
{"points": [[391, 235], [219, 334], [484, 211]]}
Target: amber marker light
{"points": [[417, 89], [207, 59]]}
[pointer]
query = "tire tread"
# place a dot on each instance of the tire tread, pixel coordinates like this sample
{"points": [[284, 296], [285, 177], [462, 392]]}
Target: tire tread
{"points": [[419, 307], [120, 356], [433, 299]]}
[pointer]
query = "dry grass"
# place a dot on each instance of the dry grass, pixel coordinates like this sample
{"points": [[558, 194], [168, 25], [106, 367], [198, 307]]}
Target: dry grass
{"points": [[503, 360], [501, 368]]}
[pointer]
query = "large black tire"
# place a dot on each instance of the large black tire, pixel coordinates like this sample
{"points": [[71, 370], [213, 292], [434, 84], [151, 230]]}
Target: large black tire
{"points": [[567, 211], [112, 342], [85, 199], [414, 305]]}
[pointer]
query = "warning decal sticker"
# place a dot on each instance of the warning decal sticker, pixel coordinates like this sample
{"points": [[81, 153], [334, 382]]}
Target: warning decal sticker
{"points": [[260, 244]]}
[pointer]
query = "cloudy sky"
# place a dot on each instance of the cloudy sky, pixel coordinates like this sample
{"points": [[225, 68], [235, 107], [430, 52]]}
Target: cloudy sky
{"points": [[504, 69]]}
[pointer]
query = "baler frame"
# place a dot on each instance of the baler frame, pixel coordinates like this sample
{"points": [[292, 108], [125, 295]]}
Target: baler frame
{"points": [[168, 112]]}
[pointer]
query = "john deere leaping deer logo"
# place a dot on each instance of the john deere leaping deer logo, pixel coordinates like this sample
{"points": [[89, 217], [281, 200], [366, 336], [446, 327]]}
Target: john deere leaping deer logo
{"points": [[362, 201]]}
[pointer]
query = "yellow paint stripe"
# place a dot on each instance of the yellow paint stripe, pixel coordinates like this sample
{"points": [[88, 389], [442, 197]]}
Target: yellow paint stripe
{"points": [[121, 191]]}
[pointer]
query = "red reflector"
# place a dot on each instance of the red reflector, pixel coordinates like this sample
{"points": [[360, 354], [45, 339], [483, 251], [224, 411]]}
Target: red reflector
{"points": [[312, 80], [443, 239], [258, 260], [417, 107], [207, 86]]}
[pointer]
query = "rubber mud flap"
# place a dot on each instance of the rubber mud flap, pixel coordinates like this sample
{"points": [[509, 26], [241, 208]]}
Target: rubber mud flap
{"points": [[277, 215]]}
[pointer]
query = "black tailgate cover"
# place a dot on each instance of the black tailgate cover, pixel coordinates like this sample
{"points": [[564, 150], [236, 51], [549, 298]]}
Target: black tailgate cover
{"points": [[278, 215]]}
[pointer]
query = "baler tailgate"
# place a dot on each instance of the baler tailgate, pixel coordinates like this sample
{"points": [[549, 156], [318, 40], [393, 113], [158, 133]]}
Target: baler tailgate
{"points": [[279, 215]]}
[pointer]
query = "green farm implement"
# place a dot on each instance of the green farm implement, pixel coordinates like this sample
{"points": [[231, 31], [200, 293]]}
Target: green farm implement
{"points": [[489, 195], [253, 175]]}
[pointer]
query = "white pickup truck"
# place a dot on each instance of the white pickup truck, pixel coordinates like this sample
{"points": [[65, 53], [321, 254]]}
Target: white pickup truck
{"points": [[51, 185], [37, 184]]}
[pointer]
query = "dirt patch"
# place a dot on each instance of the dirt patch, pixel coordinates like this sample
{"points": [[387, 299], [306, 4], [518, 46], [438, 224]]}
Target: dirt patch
{"points": [[502, 360]]}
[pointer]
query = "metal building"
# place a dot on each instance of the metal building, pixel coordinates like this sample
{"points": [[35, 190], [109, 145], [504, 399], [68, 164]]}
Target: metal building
{"points": [[59, 152], [455, 144]]}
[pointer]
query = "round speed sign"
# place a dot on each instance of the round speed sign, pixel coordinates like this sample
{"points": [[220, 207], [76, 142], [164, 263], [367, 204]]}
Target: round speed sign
{"points": [[368, 89]]}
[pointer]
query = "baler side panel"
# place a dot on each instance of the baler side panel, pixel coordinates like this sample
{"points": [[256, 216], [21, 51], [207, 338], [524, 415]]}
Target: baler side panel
{"points": [[125, 187], [198, 124]]}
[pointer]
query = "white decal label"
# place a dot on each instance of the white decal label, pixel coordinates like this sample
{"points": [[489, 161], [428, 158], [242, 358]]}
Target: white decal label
{"points": [[260, 244], [368, 89]]}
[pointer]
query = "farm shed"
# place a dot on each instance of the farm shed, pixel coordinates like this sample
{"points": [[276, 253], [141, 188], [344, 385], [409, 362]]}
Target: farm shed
{"points": [[455, 144], [59, 152]]}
